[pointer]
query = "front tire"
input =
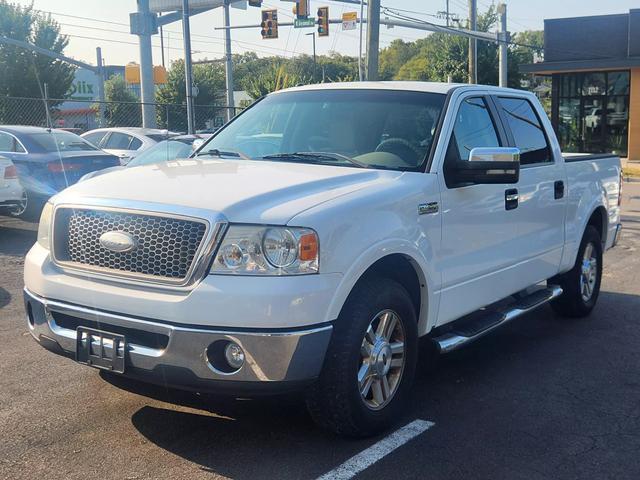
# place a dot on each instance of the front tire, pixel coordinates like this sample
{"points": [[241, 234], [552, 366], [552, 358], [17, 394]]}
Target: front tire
{"points": [[581, 284], [370, 363]]}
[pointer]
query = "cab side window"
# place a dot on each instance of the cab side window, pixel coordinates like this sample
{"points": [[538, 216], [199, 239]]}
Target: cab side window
{"points": [[527, 130]]}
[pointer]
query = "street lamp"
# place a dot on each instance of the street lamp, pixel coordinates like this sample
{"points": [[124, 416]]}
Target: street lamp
{"points": [[314, 53]]}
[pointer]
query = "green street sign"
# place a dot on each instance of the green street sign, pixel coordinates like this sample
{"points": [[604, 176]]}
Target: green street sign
{"points": [[304, 22]]}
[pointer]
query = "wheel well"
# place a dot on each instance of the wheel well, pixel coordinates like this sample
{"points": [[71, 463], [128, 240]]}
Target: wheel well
{"points": [[401, 269], [598, 220]]}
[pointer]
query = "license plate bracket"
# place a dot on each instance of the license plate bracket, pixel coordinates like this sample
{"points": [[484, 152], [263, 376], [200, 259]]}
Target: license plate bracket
{"points": [[100, 349]]}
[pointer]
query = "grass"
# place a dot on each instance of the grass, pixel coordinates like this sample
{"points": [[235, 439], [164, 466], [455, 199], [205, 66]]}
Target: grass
{"points": [[632, 170]]}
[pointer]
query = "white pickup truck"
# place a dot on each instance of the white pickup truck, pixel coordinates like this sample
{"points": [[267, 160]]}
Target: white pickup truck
{"points": [[311, 242]]}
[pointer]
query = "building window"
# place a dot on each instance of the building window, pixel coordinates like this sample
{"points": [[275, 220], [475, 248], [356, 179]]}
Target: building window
{"points": [[592, 111]]}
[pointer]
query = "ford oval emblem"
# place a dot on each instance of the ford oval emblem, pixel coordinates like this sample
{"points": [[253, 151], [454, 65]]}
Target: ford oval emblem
{"points": [[119, 242]]}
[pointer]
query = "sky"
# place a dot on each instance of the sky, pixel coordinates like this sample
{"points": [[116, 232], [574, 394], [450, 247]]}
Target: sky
{"points": [[93, 23]]}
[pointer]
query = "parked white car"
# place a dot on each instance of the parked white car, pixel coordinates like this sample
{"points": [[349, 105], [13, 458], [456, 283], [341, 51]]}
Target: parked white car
{"points": [[11, 191], [126, 143], [285, 257]]}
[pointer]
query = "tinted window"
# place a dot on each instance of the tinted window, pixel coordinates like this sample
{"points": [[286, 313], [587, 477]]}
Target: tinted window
{"points": [[95, 137], [527, 130], [136, 143], [473, 128], [60, 141], [118, 141], [9, 144]]}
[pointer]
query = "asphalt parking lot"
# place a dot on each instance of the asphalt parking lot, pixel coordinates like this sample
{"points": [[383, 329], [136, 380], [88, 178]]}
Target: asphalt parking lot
{"points": [[542, 398]]}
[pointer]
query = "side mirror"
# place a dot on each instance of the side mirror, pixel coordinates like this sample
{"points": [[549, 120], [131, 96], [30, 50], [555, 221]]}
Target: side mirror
{"points": [[489, 165]]}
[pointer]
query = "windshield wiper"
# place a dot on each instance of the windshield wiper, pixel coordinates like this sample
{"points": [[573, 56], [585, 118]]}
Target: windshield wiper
{"points": [[316, 157], [214, 152]]}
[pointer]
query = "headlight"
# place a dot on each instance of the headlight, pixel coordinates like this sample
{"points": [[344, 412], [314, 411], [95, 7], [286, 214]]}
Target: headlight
{"points": [[255, 250], [44, 227]]}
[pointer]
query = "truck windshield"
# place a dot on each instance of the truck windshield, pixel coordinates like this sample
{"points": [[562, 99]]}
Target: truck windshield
{"points": [[384, 129]]}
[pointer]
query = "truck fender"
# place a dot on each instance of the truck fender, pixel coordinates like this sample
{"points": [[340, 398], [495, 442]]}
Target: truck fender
{"points": [[376, 252]]}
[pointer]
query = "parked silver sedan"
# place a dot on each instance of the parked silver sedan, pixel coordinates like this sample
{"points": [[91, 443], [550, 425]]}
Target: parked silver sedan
{"points": [[126, 142]]}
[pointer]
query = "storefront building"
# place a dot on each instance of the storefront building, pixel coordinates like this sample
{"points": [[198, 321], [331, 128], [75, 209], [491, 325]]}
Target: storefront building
{"points": [[594, 63]]}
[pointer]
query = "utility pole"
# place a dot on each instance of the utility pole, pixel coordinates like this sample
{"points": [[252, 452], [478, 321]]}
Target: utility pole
{"points": [[473, 43], [228, 67], [360, 67], [188, 79], [101, 79], [373, 38], [162, 45], [503, 37], [147, 93]]}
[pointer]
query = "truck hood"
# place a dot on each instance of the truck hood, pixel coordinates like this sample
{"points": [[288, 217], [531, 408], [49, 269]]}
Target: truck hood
{"points": [[243, 191]]}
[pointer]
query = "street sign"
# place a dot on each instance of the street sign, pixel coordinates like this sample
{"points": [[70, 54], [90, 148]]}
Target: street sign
{"points": [[304, 22], [349, 20]]}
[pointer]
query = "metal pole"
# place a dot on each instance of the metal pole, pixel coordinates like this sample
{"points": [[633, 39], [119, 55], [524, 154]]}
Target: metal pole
{"points": [[162, 45], [447, 13], [473, 43], [360, 67], [46, 106], [147, 92], [373, 38], [101, 79], [188, 80], [313, 34], [504, 41], [228, 67]]}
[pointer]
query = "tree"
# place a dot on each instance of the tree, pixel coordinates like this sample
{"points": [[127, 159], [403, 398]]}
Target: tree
{"points": [[395, 56], [24, 72], [123, 107], [210, 83], [277, 78]]}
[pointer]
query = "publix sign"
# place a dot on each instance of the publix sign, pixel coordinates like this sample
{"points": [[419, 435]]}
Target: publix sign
{"points": [[84, 87]]}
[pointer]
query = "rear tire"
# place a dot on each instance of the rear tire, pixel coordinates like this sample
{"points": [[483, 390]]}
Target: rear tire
{"points": [[29, 209], [581, 284], [370, 364]]}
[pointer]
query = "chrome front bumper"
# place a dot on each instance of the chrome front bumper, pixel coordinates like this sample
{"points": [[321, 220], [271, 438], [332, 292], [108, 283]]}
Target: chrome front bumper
{"points": [[175, 356]]}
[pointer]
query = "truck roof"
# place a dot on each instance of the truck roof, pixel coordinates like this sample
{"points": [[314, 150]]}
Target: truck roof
{"points": [[430, 87]]}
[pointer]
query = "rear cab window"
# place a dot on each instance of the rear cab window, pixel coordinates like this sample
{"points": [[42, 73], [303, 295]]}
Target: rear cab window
{"points": [[527, 130]]}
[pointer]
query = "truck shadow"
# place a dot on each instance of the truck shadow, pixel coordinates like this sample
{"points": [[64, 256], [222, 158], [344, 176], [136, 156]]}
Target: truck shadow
{"points": [[16, 236], [275, 438]]}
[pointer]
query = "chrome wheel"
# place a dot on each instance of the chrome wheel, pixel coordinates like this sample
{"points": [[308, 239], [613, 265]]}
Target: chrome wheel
{"points": [[21, 207], [589, 272], [382, 359]]}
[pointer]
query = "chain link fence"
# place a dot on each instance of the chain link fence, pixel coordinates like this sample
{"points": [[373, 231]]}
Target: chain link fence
{"points": [[84, 115]]}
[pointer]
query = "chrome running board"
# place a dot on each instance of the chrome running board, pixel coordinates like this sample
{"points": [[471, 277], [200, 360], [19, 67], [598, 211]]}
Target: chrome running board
{"points": [[480, 323]]}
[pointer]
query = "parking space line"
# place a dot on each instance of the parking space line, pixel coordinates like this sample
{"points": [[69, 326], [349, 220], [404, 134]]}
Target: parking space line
{"points": [[377, 451]]}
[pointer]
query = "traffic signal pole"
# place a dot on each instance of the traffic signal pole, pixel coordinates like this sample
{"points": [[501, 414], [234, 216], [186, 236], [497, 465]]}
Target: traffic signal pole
{"points": [[147, 92]]}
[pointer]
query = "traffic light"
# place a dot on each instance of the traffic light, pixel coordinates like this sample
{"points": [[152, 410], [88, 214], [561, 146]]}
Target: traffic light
{"points": [[301, 9], [323, 22], [255, 3], [269, 24]]}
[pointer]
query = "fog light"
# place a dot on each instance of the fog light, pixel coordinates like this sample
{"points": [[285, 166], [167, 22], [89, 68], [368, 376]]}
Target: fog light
{"points": [[234, 355]]}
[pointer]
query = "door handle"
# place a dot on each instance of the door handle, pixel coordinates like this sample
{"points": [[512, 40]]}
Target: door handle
{"points": [[511, 198], [558, 189]]}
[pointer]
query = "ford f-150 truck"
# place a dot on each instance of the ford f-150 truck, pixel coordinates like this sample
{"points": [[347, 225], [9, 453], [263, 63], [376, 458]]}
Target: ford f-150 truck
{"points": [[312, 240]]}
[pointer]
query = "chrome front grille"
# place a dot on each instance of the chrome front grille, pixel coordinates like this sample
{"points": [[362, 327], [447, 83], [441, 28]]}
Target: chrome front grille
{"points": [[166, 247]]}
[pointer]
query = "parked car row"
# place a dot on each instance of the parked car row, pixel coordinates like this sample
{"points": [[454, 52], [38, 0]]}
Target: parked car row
{"points": [[37, 162]]}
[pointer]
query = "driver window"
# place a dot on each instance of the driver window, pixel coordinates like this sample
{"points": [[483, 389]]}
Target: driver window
{"points": [[473, 128]]}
